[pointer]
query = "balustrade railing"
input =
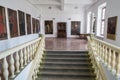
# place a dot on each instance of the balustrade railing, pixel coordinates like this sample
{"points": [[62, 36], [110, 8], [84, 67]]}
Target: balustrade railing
{"points": [[12, 61], [107, 53]]}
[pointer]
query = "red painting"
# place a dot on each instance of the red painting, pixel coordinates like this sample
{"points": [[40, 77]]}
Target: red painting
{"points": [[28, 20], [3, 30], [21, 16], [34, 25], [37, 26], [13, 26]]}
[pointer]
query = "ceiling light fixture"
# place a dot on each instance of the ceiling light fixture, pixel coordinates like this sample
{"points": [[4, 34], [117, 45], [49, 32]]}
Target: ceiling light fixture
{"points": [[76, 7], [49, 7]]}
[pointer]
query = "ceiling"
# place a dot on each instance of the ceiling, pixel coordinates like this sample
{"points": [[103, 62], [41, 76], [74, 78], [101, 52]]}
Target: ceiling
{"points": [[62, 4]]}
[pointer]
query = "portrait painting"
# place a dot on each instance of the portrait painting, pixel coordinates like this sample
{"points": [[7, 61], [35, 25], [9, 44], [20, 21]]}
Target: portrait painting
{"points": [[75, 27], [28, 22], [21, 16], [13, 25], [37, 26], [111, 27], [48, 27], [3, 29], [34, 25]]}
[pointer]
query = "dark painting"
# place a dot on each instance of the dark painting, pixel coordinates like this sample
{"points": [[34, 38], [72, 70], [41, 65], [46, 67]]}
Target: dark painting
{"points": [[94, 24], [49, 27], [28, 20], [75, 27], [34, 25], [13, 26], [3, 30], [21, 16], [37, 26], [111, 29]]}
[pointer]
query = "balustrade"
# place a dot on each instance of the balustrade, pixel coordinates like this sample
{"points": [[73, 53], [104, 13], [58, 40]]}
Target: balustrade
{"points": [[107, 53], [15, 59]]}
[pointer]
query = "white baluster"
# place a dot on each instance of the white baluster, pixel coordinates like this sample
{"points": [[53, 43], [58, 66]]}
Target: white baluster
{"points": [[12, 67], [17, 62], [28, 53], [118, 65], [109, 59], [106, 56], [25, 57], [103, 53], [113, 62], [5, 69], [21, 58]]}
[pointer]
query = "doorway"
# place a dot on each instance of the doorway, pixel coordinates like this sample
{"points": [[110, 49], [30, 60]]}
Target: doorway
{"points": [[61, 30]]}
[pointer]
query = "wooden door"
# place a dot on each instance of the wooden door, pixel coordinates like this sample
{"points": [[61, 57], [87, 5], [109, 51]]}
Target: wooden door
{"points": [[61, 30]]}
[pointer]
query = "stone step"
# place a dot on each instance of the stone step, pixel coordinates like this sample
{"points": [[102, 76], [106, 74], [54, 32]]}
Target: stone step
{"points": [[67, 60], [66, 56], [66, 66], [87, 70], [67, 52], [66, 75], [51, 78]]}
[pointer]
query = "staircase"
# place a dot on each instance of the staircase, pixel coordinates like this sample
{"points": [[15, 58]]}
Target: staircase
{"points": [[66, 65]]}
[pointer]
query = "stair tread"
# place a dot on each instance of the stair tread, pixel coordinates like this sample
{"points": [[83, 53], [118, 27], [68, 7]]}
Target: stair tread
{"points": [[73, 54], [65, 73], [65, 63], [86, 78], [67, 67], [67, 52], [66, 58]]}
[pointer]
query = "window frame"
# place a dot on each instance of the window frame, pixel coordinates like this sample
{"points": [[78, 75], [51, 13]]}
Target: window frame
{"points": [[102, 26]]}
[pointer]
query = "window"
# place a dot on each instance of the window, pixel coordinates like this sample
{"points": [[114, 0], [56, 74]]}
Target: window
{"points": [[101, 20]]}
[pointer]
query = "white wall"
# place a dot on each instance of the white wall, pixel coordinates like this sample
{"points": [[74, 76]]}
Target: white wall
{"points": [[26, 7], [112, 9], [62, 16]]}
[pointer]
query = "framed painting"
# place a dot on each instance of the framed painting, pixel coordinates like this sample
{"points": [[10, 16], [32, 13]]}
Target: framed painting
{"points": [[48, 27], [34, 25], [21, 16], [37, 26], [111, 28], [13, 25], [3, 29], [28, 22], [94, 24], [75, 27]]}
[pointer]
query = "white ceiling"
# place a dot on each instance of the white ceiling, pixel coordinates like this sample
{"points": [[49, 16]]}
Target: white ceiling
{"points": [[61, 4]]}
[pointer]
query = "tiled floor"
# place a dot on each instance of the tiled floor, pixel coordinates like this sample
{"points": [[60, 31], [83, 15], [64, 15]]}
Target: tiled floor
{"points": [[65, 44]]}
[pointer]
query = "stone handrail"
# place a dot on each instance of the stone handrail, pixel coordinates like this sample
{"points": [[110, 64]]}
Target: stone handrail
{"points": [[15, 59], [109, 55], [100, 75]]}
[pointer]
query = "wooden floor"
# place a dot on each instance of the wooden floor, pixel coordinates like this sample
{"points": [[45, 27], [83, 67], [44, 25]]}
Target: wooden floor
{"points": [[65, 44]]}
